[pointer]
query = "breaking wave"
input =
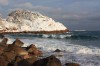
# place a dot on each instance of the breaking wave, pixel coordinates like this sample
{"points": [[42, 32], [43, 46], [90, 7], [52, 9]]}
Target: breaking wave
{"points": [[68, 35]]}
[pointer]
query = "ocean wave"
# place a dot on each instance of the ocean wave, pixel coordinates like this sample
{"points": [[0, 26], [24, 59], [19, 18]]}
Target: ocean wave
{"points": [[70, 35]]}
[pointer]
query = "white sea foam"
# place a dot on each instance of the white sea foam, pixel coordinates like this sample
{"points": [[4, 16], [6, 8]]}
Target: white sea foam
{"points": [[86, 56], [56, 36]]}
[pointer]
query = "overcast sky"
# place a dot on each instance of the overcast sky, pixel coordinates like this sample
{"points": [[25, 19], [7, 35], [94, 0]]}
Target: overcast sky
{"points": [[75, 14]]}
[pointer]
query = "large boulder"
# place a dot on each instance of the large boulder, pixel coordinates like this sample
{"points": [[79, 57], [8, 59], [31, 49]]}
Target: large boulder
{"points": [[33, 50], [3, 45], [19, 61], [22, 63], [57, 50], [3, 62], [9, 56], [49, 61], [4, 41], [2, 48], [18, 50], [17, 42], [32, 59], [11, 52]]}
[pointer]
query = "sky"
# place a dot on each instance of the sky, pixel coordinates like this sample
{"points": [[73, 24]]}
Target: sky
{"points": [[74, 14]]}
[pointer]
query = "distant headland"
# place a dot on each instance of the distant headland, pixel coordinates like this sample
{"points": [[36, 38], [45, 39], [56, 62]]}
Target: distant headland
{"points": [[24, 21]]}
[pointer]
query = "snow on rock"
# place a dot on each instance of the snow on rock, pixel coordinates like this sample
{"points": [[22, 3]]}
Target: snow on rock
{"points": [[33, 21], [1, 24], [7, 26], [2, 27]]}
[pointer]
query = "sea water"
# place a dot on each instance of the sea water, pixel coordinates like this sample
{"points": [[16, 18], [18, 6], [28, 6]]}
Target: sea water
{"points": [[81, 47]]}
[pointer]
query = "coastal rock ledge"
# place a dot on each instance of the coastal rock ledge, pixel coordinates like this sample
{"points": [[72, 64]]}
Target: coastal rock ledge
{"points": [[24, 21]]}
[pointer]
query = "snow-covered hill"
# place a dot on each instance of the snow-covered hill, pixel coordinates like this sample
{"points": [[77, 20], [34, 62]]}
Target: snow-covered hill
{"points": [[27, 21]]}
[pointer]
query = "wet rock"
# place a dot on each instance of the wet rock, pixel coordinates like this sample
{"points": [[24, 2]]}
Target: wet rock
{"points": [[2, 49], [12, 51], [9, 56], [18, 61], [3, 62], [72, 64], [17, 42], [4, 41], [32, 60], [49, 61], [26, 56], [10, 48], [23, 63], [9, 53], [18, 50], [57, 50], [33, 50], [3, 45]]}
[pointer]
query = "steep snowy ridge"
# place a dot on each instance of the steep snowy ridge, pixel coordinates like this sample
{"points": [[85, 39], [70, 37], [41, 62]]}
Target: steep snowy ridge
{"points": [[25, 21]]}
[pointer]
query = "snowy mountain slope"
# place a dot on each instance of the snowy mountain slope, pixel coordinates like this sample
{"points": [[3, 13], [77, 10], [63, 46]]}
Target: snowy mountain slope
{"points": [[23, 20], [7, 26]]}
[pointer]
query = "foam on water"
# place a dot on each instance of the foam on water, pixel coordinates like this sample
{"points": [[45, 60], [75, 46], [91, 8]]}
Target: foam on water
{"points": [[86, 56], [56, 36]]}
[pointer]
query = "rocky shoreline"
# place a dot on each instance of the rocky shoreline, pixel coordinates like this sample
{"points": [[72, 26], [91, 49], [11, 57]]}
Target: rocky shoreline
{"points": [[37, 32], [15, 55]]}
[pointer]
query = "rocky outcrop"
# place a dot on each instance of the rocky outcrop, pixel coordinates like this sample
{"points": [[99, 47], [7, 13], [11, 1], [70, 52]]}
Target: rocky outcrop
{"points": [[32, 59], [49, 61], [33, 50], [3, 62], [4, 41], [3, 45], [14, 55], [17, 42], [18, 50], [19, 61], [23, 21], [57, 50]]}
